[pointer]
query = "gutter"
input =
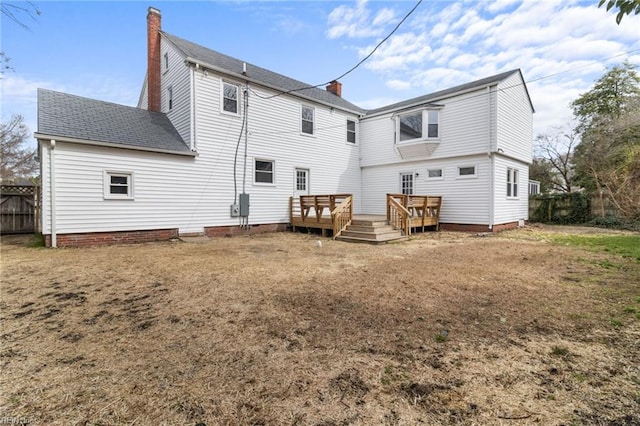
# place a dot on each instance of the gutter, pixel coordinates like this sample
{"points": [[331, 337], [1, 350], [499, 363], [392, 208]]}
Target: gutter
{"points": [[113, 145]]}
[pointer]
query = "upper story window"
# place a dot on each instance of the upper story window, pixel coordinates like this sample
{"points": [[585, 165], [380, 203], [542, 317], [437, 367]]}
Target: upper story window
{"points": [[307, 124], [170, 97], [166, 62], [230, 98], [512, 183], [411, 126], [118, 185], [351, 131]]}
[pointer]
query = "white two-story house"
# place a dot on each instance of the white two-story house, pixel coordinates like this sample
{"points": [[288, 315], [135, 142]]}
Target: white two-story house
{"points": [[218, 146]]}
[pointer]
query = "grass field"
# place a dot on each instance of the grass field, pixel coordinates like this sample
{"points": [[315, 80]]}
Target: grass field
{"points": [[535, 326]]}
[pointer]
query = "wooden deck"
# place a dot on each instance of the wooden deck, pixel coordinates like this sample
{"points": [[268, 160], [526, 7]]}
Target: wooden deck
{"points": [[335, 212]]}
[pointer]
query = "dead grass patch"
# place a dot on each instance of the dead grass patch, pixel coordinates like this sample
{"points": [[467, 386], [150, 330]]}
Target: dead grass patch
{"points": [[273, 330]]}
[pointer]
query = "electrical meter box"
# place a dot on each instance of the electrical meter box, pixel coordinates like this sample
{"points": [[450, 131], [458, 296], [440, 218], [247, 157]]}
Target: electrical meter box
{"points": [[235, 210], [244, 205]]}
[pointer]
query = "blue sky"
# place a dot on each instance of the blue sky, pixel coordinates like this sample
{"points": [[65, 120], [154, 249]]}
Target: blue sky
{"points": [[98, 49]]}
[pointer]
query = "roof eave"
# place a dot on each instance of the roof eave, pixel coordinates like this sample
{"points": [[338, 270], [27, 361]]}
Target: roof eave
{"points": [[47, 137], [194, 61]]}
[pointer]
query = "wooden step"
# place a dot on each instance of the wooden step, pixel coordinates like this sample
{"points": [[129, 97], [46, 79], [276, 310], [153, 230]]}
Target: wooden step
{"points": [[371, 232]]}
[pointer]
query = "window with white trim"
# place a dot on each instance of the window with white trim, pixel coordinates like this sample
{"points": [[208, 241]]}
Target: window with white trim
{"points": [[230, 98], [264, 171], [418, 125], [351, 131], [434, 174], [166, 62], [467, 171], [170, 97], [512, 182], [307, 124], [118, 185]]}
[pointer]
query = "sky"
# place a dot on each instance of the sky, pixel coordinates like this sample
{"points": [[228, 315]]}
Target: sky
{"points": [[98, 49]]}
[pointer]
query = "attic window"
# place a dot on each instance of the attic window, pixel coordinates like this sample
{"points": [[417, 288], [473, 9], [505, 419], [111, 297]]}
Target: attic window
{"points": [[166, 62], [230, 98]]}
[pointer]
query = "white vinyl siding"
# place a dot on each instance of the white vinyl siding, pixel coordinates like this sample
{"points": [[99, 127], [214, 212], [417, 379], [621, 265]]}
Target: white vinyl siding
{"points": [[508, 210], [514, 120], [464, 200], [177, 77]]}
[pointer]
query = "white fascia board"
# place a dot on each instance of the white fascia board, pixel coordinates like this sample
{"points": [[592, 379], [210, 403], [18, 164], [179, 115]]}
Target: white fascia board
{"points": [[41, 136]]}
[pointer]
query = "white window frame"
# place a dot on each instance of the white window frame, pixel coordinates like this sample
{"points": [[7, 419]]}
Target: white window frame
{"points": [[224, 83], [440, 169], [166, 61], [465, 176], [108, 195], [513, 185], [354, 132], [313, 122], [170, 98], [425, 125], [273, 171]]}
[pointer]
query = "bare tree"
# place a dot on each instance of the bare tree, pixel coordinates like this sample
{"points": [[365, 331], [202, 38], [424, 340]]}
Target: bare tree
{"points": [[557, 150], [17, 12], [16, 159]]}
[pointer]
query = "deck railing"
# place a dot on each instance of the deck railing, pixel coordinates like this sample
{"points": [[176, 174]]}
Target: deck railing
{"points": [[342, 215], [332, 211], [397, 214]]}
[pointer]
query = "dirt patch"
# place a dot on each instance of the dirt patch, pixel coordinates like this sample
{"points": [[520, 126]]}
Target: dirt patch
{"points": [[447, 328]]}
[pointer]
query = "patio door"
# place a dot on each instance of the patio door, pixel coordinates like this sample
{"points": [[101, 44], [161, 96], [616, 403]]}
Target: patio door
{"points": [[406, 183], [301, 182]]}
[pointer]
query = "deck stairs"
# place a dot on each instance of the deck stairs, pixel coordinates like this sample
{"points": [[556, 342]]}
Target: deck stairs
{"points": [[371, 231]]}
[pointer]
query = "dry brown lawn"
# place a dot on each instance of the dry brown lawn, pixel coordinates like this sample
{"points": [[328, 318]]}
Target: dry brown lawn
{"points": [[447, 328]]}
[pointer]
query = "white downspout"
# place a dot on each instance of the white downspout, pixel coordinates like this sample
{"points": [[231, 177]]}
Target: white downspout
{"points": [[52, 189], [193, 109], [491, 168]]}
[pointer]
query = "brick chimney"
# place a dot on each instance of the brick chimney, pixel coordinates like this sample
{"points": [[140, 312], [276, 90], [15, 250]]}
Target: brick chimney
{"points": [[153, 59], [335, 87]]}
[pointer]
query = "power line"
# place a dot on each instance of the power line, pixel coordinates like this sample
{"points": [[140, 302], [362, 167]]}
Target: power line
{"points": [[352, 68]]}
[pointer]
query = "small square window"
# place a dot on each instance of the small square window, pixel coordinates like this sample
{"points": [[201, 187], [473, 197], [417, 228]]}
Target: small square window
{"points": [[351, 131], [264, 170], [230, 98], [307, 120], [118, 185]]}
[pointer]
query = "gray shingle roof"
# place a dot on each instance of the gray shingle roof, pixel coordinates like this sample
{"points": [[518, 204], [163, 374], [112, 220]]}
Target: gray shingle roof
{"points": [[69, 116], [431, 97], [272, 79]]}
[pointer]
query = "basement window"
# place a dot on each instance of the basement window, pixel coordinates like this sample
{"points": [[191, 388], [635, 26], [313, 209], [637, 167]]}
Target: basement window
{"points": [[118, 185]]}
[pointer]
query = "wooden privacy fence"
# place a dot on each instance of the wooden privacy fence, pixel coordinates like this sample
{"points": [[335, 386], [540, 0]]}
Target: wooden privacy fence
{"points": [[18, 209]]}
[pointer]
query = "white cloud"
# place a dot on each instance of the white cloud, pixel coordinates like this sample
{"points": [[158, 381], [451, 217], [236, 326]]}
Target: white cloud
{"points": [[355, 22], [562, 46]]}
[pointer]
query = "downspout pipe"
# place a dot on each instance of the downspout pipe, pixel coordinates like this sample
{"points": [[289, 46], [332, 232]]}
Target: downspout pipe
{"points": [[52, 193], [492, 164]]}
